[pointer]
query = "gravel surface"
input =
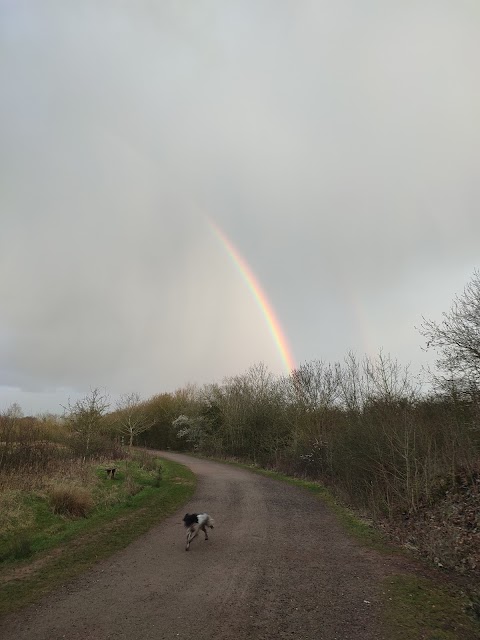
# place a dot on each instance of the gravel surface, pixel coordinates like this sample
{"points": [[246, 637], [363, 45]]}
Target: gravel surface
{"points": [[277, 565]]}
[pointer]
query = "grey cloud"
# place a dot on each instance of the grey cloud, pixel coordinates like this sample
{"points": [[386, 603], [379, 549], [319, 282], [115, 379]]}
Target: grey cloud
{"points": [[337, 146]]}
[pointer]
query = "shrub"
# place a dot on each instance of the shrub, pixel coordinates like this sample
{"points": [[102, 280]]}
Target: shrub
{"points": [[71, 500], [132, 487]]}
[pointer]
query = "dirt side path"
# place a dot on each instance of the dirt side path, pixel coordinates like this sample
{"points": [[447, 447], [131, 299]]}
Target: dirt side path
{"points": [[277, 565]]}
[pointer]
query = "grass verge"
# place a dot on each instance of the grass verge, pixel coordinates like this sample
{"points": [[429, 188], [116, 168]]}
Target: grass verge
{"points": [[62, 549], [417, 608]]}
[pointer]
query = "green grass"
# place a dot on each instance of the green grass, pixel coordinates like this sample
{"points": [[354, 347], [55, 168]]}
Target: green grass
{"points": [[59, 548], [417, 608], [50, 529]]}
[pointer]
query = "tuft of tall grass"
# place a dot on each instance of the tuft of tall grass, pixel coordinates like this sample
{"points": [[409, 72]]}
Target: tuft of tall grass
{"points": [[71, 500], [145, 460], [131, 487], [151, 464]]}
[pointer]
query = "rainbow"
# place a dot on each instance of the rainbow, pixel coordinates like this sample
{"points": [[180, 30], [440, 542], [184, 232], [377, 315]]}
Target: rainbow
{"points": [[266, 308]]}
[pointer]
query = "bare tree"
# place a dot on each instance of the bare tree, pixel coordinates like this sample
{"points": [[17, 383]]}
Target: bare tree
{"points": [[14, 412], [132, 417], [457, 337], [84, 418], [351, 383], [387, 380], [315, 385]]}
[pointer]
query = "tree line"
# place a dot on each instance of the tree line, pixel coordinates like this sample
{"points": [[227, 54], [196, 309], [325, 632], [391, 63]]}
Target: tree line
{"points": [[363, 426]]}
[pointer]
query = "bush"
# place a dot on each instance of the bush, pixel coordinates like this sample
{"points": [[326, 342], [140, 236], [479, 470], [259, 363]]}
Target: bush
{"points": [[71, 501]]}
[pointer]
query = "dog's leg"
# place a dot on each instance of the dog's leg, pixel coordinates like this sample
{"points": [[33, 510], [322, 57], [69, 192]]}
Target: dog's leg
{"points": [[190, 536], [203, 528]]}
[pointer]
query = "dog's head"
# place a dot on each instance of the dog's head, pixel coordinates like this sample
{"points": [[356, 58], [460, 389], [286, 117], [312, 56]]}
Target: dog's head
{"points": [[189, 519]]}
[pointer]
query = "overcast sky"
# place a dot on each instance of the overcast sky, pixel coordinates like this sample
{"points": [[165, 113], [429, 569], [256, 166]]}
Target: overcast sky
{"points": [[335, 143]]}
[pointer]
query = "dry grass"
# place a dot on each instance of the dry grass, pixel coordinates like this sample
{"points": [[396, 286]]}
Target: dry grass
{"points": [[61, 547], [26, 478], [146, 460], [68, 486], [41, 497], [16, 516], [71, 500], [131, 487]]}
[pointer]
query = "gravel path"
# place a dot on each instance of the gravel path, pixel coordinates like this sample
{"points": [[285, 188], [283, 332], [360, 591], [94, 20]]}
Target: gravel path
{"points": [[277, 565]]}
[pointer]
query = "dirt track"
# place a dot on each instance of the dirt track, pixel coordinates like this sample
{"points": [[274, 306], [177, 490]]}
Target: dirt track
{"points": [[277, 565]]}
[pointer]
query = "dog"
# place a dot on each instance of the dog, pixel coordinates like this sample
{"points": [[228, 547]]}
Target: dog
{"points": [[194, 522]]}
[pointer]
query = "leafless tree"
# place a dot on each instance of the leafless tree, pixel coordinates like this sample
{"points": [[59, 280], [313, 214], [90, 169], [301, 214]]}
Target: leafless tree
{"points": [[351, 383], [84, 418], [457, 337], [315, 385], [132, 417], [386, 379]]}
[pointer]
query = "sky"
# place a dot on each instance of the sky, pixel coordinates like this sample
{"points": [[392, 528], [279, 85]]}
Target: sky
{"points": [[190, 188]]}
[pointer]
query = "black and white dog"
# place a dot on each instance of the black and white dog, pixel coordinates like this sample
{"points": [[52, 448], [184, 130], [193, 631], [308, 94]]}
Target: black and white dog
{"points": [[194, 522]]}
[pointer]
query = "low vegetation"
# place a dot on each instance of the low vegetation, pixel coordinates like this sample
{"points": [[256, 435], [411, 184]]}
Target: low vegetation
{"points": [[66, 516], [422, 608]]}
